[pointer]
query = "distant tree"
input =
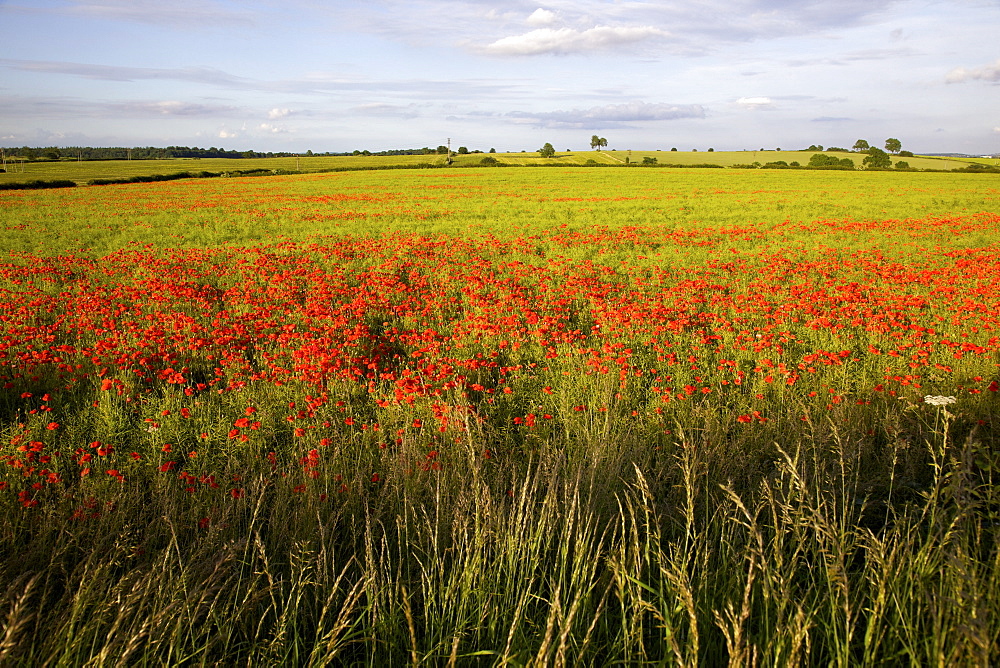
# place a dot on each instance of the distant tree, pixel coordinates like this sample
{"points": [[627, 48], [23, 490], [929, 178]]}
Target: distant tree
{"points": [[902, 164], [830, 162], [442, 150], [877, 159], [674, 149], [711, 150], [52, 154], [906, 154], [488, 160], [893, 145], [648, 160], [861, 145], [493, 150], [837, 148], [463, 150], [815, 147], [595, 142], [547, 151]]}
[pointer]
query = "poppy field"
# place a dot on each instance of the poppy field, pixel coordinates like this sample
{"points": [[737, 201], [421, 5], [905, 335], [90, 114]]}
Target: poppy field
{"points": [[502, 416]]}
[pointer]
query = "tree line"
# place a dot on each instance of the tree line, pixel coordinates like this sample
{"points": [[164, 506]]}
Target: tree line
{"points": [[33, 153]]}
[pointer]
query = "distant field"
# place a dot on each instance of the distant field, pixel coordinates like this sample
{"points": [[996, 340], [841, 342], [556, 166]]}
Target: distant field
{"points": [[483, 417], [84, 171]]}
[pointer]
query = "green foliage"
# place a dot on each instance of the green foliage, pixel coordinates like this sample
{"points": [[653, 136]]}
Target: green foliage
{"points": [[489, 160], [877, 159], [547, 151], [861, 145], [463, 150], [37, 185], [816, 147], [902, 164], [893, 145], [822, 161], [648, 160]]}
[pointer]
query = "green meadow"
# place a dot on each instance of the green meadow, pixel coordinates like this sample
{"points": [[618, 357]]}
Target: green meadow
{"points": [[501, 416], [83, 171]]}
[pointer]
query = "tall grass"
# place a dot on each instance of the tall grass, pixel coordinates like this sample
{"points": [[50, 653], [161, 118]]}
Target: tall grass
{"points": [[640, 556]]}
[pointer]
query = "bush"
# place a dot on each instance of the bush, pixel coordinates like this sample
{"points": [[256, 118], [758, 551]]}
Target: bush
{"points": [[647, 160], [489, 161], [822, 161], [38, 185]]}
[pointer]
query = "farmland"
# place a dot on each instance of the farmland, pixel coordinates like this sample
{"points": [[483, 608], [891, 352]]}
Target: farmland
{"points": [[503, 416], [83, 171]]}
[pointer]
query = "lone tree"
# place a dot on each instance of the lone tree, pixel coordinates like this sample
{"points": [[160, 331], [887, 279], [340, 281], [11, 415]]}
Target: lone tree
{"points": [[861, 145], [893, 145], [547, 151], [597, 142]]}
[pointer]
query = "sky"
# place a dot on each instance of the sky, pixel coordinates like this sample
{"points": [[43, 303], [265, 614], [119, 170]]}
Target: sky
{"points": [[333, 75]]}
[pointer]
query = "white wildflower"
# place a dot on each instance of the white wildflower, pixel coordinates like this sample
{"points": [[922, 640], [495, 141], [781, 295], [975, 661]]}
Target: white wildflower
{"points": [[934, 400]]}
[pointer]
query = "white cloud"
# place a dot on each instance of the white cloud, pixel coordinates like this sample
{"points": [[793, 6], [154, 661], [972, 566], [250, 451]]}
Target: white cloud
{"points": [[989, 72], [173, 108], [754, 102], [278, 113], [271, 129], [187, 14], [382, 109], [568, 40], [610, 115], [541, 17], [225, 134]]}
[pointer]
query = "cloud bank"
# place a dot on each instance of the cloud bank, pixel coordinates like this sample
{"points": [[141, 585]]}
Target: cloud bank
{"points": [[610, 115], [568, 40], [989, 73]]}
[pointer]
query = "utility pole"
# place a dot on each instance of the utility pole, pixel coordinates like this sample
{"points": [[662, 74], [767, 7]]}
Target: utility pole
{"points": [[448, 161]]}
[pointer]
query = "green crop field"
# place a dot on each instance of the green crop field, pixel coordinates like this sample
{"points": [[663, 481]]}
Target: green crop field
{"points": [[83, 171], [501, 416]]}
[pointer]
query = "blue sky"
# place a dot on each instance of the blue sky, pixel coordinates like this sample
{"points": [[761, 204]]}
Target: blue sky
{"points": [[337, 76]]}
